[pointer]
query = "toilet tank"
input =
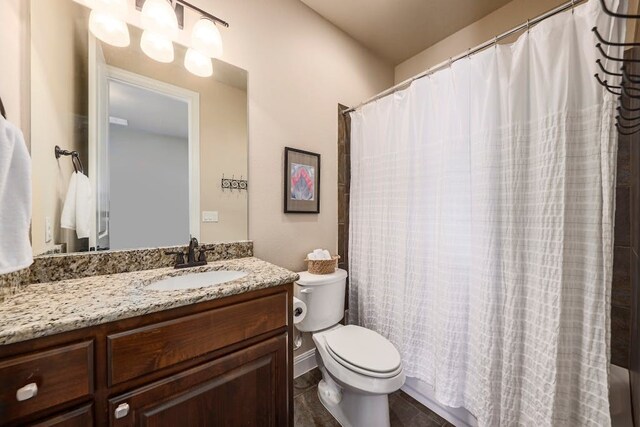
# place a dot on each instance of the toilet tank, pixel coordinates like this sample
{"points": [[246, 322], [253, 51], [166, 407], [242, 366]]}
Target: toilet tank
{"points": [[324, 296]]}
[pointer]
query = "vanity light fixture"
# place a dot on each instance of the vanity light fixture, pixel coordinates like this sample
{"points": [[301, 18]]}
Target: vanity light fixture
{"points": [[160, 25], [106, 21], [197, 63], [205, 38], [161, 20], [156, 46], [159, 17]]}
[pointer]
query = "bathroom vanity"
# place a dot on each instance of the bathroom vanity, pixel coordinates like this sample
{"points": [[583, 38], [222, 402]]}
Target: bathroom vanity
{"points": [[108, 350]]}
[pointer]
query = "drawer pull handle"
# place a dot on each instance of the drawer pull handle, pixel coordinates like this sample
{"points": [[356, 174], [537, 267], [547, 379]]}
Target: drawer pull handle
{"points": [[27, 392], [122, 410]]}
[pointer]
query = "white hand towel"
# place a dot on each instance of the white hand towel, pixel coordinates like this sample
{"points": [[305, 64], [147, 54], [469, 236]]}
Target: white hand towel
{"points": [[83, 206], [76, 212], [68, 217], [326, 254], [15, 200]]}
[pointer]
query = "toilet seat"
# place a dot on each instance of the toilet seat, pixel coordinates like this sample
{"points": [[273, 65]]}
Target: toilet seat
{"points": [[345, 374], [363, 351]]}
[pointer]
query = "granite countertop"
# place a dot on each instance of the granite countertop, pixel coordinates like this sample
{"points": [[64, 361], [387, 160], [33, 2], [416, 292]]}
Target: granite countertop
{"points": [[42, 309]]}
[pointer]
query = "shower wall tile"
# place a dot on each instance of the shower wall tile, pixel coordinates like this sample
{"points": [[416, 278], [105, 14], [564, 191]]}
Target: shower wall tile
{"points": [[620, 323], [623, 223], [634, 355], [621, 288], [621, 284], [342, 203], [634, 198], [344, 184], [624, 153], [629, 147]]}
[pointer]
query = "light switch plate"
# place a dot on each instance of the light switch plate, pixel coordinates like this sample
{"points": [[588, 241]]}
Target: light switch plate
{"points": [[209, 216]]}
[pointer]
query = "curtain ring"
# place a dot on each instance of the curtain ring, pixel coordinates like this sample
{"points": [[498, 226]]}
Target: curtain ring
{"points": [[528, 25], [450, 61], [469, 53], [495, 41], [573, 3]]}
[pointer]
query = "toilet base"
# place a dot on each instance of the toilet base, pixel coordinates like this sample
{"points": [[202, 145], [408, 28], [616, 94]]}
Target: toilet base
{"points": [[351, 408]]}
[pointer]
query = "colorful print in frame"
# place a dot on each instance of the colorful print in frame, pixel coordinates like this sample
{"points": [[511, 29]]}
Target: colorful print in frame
{"points": [[301, 181]]}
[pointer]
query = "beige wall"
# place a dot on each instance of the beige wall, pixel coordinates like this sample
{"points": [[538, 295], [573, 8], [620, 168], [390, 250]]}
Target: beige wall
{"points": [[300, 67], [58, 111], [223, 135], [511, 15], [501, 20], [226, 153]]}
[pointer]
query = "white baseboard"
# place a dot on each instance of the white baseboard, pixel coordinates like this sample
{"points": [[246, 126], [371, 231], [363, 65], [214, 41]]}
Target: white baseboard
{"points": [[304, 362]]}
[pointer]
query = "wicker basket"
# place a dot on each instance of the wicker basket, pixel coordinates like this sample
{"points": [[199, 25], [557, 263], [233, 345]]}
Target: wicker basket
{"points": [[322, 266]]}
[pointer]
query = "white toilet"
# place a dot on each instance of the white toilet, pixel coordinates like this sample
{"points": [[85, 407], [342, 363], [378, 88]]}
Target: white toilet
{"points": [[359, 366]]}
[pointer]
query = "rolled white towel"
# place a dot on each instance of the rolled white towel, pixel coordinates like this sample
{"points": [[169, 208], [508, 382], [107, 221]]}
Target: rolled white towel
{"points": [[321, 254], [311, 256]]}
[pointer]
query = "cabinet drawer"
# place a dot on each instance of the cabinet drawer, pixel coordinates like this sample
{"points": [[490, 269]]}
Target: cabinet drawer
{"points": [[45, 379], [141, 351]]}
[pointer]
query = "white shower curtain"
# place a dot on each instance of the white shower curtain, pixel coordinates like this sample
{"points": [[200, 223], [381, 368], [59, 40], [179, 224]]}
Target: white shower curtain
{"points": [[481, 226]]}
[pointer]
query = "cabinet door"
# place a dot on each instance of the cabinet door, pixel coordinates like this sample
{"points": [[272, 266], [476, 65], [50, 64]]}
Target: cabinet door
{"points": [[245, 388]]}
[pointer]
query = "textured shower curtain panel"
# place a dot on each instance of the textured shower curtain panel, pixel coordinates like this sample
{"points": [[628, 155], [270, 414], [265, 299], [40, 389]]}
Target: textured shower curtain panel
{"points": [[481, 226]]}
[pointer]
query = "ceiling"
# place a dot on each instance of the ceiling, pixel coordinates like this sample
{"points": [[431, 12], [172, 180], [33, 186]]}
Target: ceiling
{"points": [[149, 111], [396, 30]]}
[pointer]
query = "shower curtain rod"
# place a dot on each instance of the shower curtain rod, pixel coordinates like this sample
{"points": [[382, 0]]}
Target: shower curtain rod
{"points": [[530, 22]]}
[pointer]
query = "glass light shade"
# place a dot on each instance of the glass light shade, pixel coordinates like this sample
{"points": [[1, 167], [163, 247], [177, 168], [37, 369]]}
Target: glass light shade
{"points": [[159, 17], [116, 8], [206, 39], [198, 63], [109, 28], [156, 46]]}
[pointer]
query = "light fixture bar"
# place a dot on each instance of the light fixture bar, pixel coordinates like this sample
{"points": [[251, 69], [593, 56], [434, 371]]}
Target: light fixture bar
{"points": [[203, 13], [179, 8]]}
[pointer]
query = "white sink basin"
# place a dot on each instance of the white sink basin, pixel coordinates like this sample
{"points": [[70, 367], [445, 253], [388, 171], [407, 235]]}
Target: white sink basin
{"points": [[196, 280]]}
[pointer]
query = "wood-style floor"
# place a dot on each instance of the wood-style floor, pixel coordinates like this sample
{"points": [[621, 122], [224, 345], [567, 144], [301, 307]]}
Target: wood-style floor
{"points": [[309, 412]]}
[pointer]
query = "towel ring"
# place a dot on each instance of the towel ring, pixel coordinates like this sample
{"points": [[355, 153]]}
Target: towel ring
{"points": [[75, 158]]}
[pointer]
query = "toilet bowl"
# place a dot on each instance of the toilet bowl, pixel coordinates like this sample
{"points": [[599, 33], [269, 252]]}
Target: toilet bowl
{"points": [[359, 367]]}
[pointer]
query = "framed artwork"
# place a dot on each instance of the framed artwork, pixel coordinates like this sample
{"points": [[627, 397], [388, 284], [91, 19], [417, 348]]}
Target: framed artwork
{"points": [[301, 181]]}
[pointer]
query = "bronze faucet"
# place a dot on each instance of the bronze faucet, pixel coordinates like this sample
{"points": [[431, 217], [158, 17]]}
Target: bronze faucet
{"points": [[191, 256]]}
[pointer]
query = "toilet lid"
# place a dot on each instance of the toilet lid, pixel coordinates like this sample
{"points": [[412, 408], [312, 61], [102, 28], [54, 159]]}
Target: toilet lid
{"points": [[363, 349]]}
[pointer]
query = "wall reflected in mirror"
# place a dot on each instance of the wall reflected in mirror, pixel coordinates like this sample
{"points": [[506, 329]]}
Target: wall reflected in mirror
{"points": [[154, 139]]}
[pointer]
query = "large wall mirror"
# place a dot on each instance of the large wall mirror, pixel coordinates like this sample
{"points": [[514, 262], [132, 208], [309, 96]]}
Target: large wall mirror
{"points": [[154, 141]]}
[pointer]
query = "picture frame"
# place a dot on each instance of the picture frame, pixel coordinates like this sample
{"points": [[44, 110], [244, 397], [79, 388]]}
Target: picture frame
{"points": [[301, 181]]}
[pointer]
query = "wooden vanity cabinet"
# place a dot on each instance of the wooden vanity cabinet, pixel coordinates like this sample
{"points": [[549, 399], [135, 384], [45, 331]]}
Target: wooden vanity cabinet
{"points": [[226, 362]]}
